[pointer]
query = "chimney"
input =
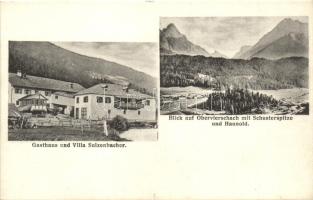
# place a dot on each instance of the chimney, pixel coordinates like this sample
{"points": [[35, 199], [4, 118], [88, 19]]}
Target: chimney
{"points": [[19, 73], [104, 86]]}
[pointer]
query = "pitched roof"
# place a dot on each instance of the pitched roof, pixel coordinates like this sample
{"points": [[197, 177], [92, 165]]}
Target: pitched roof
{"points": [[64, 94], [43, 83], [13, 111], [33, 96], [113, 90]]}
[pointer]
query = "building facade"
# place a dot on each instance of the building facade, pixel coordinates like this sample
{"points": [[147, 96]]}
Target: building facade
{"points": [[59, 94], [99, 102]]}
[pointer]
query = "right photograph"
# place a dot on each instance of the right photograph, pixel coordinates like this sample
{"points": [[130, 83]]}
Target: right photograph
{"points": [[234, 65]]}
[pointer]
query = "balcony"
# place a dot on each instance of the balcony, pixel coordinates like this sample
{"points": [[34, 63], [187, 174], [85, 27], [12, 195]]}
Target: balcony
{"points": [[38, 108], [128, 106]]}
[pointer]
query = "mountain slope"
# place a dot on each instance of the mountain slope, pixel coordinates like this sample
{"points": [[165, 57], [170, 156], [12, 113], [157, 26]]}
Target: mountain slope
{"points": [[293, 44], [282, 29], [241, 51], [171, 40], [48, 60]]}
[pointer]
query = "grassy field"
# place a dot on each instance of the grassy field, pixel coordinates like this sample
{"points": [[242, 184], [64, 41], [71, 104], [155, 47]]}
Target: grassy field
{"points": [[60, 134], [296, 95]]}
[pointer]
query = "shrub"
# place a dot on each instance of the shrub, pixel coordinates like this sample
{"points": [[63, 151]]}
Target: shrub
{"points": [[119, 123], [137, 124], [114, 135]]}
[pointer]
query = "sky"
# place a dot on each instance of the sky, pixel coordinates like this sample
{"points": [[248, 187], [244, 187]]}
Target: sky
{"points": [[224, 34], [139, 56]]}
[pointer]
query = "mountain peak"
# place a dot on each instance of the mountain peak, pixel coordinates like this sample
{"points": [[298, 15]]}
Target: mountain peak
{"points": [[217, 54], [289, 20], [172, 31], [282, 29], [171, 25], [289, 24]]}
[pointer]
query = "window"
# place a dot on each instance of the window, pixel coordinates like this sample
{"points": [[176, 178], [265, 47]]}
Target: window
{"points": [[17, 103], [109, 111], [56, 96], [124, 112], [18, 90], [27, 91], [147, 102], [85, 99], [36, 91], [107, 99], [77, 99], [84, 113], [77, 113], [138, 112], [47, 93], [99, 99]]}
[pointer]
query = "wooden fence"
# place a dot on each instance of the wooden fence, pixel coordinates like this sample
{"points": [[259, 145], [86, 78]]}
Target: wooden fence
{"points": [[48, 122]]}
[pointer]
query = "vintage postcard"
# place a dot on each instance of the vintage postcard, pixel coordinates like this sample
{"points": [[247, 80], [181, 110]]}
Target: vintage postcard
{"points": [[156, 100]]}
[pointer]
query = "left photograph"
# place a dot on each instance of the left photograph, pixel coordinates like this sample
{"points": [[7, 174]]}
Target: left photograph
{"points": [[82, 91]]}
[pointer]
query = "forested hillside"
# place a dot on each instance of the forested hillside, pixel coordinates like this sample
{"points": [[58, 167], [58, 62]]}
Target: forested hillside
{"points": [[48, 60], [257, 73]]}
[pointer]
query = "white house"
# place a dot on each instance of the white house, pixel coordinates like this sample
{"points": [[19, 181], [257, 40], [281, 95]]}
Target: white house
{"points": [[59, 94], [206, 77], [64, 101], [98, 102]]}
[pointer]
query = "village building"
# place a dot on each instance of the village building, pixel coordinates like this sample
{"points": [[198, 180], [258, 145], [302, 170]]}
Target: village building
{"points": [[33, 103], [206, 77], [25, 91], [109, 100]]}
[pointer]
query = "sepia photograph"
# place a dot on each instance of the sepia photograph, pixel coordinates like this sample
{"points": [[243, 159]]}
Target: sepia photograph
{"points": [[103, 99], [82, 91], [234, 65]]}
